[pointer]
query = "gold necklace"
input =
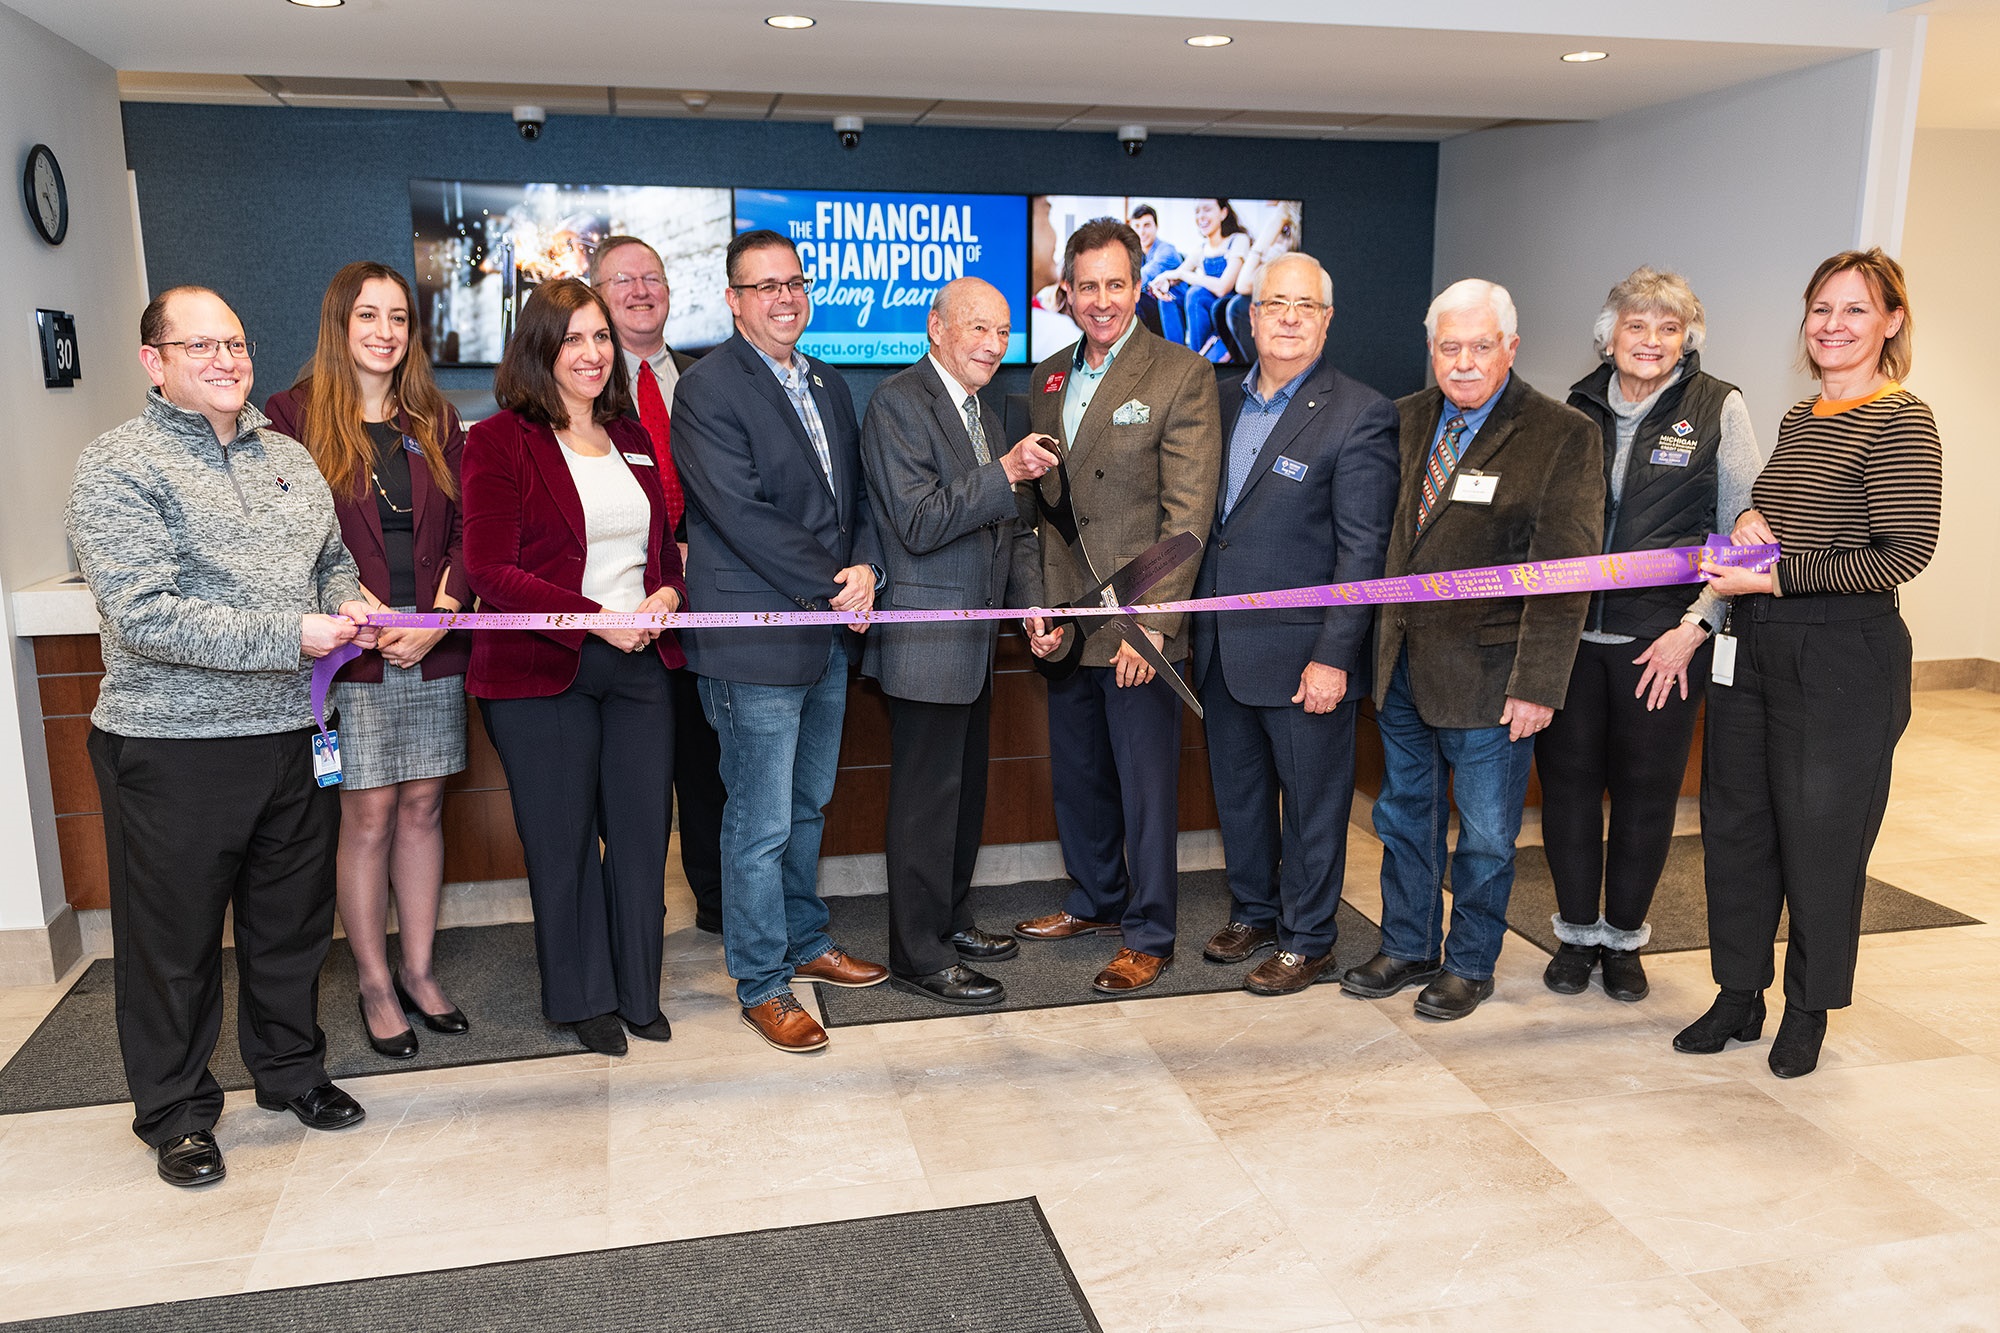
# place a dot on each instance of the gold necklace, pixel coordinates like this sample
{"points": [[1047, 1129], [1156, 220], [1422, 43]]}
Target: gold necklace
{"points": [[394, 508]]}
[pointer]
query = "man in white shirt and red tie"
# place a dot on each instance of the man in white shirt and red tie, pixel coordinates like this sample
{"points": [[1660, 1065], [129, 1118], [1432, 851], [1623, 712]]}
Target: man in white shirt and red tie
{"points": [[628, 273]]}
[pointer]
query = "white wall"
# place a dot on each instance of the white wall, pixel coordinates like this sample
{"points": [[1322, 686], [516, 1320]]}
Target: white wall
{"points": [[1949, 242], [51, 92]]}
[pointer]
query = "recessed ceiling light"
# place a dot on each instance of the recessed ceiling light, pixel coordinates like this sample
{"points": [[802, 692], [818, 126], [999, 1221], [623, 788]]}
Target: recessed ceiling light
{"points": [[789, 21], [1583, 57], [1210, 39], [319, 4]]}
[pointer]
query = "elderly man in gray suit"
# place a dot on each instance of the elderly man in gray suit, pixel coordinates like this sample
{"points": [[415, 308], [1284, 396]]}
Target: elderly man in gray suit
{"points": [[952, 537]]}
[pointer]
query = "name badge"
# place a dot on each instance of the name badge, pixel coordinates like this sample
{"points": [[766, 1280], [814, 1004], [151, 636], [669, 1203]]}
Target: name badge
{"points": [[1475, 488], [1670, 452], [411, 445], [326, 757], [638, 460], [1289, 467], [1722, 669]]}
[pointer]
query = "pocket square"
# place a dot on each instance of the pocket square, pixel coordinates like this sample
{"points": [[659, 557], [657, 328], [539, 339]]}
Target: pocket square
{"points": [[1133, 413]]}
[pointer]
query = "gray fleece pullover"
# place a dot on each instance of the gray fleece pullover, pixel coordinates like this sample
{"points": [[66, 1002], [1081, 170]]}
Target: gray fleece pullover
{"points": [[202, 558]]}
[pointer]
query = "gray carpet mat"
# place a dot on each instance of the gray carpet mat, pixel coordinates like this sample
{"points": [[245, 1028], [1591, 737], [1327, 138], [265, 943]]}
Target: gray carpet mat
{"points": [[1679, 915], [991, 1268], [1048, 974]]}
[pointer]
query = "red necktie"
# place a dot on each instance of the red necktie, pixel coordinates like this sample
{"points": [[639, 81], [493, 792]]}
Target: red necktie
{"points": [[653, 416]]}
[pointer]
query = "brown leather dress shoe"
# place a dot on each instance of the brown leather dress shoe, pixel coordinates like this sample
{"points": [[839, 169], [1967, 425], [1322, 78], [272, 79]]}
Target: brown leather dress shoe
{"points": [[1062, 926], [1130, 971], [783, 1022], [1285, 972], [834, 968], [1236, 941]]}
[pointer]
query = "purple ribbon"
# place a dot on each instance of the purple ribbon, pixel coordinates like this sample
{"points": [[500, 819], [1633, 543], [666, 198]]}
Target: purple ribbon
{"points": [[1533, 578]]}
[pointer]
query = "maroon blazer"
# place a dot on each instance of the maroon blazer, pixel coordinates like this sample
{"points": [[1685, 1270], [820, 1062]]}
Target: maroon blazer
{"points": [[437, 543], [525, 547]]}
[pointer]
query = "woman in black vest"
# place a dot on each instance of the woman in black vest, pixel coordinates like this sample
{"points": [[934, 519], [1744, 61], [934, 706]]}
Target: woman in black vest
{"points": [[1679, 459]]}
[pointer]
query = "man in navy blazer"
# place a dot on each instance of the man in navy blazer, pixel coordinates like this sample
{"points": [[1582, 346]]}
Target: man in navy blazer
{"points": [[1309, 474], [777, 520]]}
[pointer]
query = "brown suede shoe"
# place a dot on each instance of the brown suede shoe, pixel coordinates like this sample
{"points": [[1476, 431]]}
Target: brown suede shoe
{"points": [[1061, 926], [1130, 971], [785, 1024], [1236, 941], [1285, 972], [834, 968]]}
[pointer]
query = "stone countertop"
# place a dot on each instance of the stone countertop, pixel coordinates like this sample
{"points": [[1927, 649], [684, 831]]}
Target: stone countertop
{"points": [[61, 605]]}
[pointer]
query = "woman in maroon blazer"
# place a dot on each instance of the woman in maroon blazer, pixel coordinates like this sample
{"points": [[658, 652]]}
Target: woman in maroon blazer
{"points": [[563, 512], [389, 444]]}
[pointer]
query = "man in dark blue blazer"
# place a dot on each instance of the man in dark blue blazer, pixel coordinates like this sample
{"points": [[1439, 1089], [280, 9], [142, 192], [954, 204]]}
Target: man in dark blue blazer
{"points": [[1309, 473], [777, 520]]}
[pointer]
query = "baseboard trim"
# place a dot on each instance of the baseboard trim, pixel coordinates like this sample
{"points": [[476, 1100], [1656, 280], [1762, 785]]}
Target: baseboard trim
{"points": [[38, 957], [1957, 673]]}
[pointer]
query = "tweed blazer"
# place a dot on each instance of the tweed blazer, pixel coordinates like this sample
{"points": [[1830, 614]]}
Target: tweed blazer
{"points": [[1468, 658], [952, 537], [1136, 481]]}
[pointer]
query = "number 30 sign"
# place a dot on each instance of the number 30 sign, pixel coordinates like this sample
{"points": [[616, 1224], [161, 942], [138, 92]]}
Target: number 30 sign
{"points": [[59, 360]]}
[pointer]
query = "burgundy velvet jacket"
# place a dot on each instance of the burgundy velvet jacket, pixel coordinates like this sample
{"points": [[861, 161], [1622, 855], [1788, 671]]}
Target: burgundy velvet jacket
{"points": [[437, 541], [525, 548]]}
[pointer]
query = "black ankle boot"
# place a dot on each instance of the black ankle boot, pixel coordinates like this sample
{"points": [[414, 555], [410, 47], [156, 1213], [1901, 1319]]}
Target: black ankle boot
{"points": [[1795, 1050], [1624, 975], [1735, 1013], [1569, 971]]}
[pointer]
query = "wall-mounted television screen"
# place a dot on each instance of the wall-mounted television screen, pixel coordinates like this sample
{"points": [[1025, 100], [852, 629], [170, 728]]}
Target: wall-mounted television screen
{"points": [[483, 247], [1202, 256], [876, 260]]}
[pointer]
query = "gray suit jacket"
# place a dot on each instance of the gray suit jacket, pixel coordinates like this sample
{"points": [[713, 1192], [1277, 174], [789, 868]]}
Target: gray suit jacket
{"points": [[951, 539]]}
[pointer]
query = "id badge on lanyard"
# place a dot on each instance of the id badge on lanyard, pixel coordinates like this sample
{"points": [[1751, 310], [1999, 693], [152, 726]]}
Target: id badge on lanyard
{"points": [[1722, 670]]}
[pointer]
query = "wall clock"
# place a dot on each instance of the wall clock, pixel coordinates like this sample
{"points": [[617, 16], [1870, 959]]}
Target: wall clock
{"points": [[42, 189]]}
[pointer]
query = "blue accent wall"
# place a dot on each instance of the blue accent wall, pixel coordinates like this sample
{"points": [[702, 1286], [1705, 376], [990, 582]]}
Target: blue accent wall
{"points": [[264, 203]]}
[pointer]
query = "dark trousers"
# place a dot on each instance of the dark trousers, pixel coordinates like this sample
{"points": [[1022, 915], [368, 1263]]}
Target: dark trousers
{"points": [[1116, 759], [191, 829], [698, 793], [1795, 778], [594, 762], [1284, 784], [937, 807], [1603, 740]]}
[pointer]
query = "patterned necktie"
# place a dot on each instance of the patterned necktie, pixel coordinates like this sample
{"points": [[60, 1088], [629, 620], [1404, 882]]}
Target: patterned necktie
{"points": [[1437, 472], [653, 416], [976, 430]]}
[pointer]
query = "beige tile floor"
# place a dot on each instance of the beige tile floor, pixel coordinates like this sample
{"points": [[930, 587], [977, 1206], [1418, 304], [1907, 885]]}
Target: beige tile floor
{"points": [[1209, 1163]]}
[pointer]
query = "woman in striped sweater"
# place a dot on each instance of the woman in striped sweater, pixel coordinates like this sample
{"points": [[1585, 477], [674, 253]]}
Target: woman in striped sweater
{"points": [[1796, 767]]}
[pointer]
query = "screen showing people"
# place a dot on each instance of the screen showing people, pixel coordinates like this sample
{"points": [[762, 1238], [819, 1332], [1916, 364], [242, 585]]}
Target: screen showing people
{"points": [[1202, 257]]}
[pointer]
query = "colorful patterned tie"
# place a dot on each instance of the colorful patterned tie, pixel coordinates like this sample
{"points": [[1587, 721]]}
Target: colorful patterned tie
{"points": [[976, 430], [653, 416], [1437, 472]]}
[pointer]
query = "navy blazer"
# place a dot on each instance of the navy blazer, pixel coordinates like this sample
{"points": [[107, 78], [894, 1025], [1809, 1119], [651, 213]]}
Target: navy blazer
{"points": [[764, 532], [1326, 522]]}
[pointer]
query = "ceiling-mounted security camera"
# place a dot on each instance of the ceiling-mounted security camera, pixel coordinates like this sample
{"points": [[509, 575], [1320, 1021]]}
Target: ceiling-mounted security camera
{"points": [[1132, 138], [849, 129], [529, 121]]}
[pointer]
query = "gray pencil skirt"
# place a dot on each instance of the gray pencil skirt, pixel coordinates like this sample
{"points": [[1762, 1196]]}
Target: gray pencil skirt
{"points": [[400, 730]]}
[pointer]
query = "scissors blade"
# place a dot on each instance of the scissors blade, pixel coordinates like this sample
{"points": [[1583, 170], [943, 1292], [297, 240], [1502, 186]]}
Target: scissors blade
{"points": [[1128, 629], [1136, 577]]}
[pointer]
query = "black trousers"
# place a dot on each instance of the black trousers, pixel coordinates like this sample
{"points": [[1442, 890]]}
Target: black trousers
{"points": [[1604, 741], [1795, 779], [937, 807], [698, 792], [192, 828], [594, 762]]}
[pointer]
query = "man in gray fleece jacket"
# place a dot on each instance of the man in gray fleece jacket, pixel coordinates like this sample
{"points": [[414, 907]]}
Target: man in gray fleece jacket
{"points": [[210, 544]]}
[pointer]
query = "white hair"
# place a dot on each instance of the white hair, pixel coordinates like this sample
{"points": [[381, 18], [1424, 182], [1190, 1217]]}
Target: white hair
{"points": [[1296, 257], [1473, 294], [1649, 291]]}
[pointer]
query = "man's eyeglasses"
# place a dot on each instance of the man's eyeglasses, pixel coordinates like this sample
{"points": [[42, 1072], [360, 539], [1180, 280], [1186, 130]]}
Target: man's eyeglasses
{"points": [[1281, 308], [770, 288], [1481, 349], [627, 281], [206, 349]]}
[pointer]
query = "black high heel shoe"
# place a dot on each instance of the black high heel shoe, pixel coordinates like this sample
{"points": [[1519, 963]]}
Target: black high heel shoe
{"points": [[451, 1022], [402, 1046], [1735, 1013], [1795, 1050]]}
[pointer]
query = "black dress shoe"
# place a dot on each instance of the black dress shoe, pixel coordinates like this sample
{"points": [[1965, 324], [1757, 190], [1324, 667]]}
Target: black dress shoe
{"points": [[402, 1046], [323, 1107], [191, 1159], [1236, 941], [450, 1022], [604, 1034], [1382, 976], [1569, 971], [1452, 996], [708, 925], [1795, 1050], [957, 984], [657, 1030], [1735, 1013], [979, 946], [1624, 975]]}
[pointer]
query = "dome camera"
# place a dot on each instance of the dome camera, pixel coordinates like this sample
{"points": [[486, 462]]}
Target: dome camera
{"points": [[1132, 138], [529, 121], [849, 129]]}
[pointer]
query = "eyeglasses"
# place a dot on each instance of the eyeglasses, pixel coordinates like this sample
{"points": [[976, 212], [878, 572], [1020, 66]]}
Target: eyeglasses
{"points": [[769, 289], [206, 349], [625, 281], [1281, 308], [1481, 349]]}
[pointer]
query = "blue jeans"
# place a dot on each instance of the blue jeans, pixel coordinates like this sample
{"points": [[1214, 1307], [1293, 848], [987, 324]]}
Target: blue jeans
{"points": [[1425, 770], [780, 746]]}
